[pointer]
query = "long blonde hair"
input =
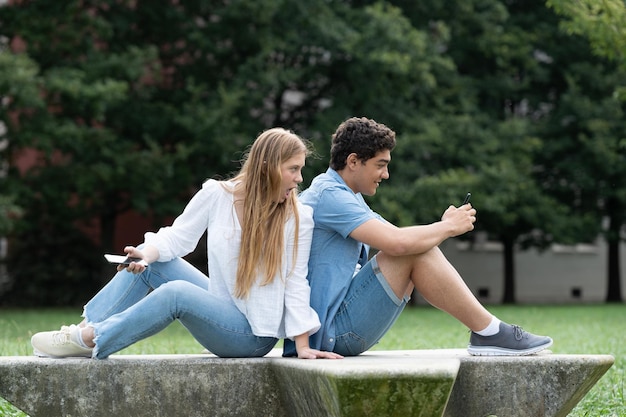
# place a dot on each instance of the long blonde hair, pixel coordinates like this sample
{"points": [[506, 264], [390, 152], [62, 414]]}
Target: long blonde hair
{"points": [[263, 219]]}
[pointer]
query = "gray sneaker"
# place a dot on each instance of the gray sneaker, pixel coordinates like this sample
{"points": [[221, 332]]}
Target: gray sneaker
{"points": [[59, 344], [510, 341]]}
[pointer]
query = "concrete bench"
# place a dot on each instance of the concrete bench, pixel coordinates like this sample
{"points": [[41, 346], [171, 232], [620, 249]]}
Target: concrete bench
{"points": [[446, 382]]}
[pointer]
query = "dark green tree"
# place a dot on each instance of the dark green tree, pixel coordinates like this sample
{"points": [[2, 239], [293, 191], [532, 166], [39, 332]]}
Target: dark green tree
{"points": [[584, 162], [130, 119], [602, 23], [16, 75], [479, 134], [142, 102], [589, 123]]}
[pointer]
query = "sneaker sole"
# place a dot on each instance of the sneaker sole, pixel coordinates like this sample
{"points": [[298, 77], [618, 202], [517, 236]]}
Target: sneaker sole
{"points": [[40, 354], [496, 351]]}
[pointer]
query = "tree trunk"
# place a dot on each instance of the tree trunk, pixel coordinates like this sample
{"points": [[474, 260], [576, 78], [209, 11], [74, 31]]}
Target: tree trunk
{"points": [[614, 291], [509, 272]]}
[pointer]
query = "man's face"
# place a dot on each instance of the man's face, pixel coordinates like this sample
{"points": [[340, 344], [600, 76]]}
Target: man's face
{"points": [[368, 175]]}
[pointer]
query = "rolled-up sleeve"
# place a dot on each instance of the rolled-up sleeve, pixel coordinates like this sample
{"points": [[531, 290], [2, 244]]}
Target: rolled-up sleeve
{"points": [[299, 315], [182, 237]]}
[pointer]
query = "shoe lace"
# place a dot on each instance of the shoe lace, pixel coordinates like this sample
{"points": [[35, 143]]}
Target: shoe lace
{"points": [[61, 338], [518, 332]]}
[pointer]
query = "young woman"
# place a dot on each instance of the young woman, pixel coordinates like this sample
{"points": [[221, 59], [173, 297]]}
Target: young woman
{"points": [[258, 242]]}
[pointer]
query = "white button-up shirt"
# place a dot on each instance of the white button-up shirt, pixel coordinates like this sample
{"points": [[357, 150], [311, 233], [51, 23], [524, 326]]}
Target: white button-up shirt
{"points": [[280, 309]]}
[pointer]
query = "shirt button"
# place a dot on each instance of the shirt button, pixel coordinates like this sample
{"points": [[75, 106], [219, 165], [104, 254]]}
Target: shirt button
{"points": [[331, 340]]}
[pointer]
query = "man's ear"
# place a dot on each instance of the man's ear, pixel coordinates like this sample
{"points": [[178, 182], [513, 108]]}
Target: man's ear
{"points": [[352, 160]]}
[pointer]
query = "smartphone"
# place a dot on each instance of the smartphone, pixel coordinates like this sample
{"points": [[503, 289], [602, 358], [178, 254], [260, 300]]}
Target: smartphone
{"points": [[467, 199], [120, 259]]}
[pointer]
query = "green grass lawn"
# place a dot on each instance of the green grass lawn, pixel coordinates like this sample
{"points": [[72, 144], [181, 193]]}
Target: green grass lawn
{"points": [[586, 329]]}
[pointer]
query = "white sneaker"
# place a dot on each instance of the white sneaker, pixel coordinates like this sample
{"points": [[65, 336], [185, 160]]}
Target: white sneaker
{"points": [[43, 355], [59, 344]]}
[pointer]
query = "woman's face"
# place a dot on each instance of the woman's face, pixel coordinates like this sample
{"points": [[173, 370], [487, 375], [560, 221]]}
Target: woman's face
{"points": [[291, 171]]}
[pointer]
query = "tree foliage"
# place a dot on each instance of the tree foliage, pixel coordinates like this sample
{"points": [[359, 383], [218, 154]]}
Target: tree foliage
{"points": [[139, 103], [588, 125], [132, 105], [602, 22], [479, 135]]}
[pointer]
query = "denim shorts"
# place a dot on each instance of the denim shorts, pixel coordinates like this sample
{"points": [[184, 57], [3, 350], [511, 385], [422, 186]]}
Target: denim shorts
{"points": [[369, 309]]}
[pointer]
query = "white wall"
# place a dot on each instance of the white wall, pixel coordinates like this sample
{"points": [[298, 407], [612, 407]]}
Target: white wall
{"points": [[561, 274]]}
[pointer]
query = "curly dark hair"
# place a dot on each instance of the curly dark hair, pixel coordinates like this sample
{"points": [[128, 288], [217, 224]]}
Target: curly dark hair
{"points": [[361, 136]]}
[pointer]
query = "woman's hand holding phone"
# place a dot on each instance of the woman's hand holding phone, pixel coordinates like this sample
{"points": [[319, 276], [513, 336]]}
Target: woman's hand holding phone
{"points": [[132, 262]]}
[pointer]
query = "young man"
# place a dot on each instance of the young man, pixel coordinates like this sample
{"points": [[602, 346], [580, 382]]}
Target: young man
{"points": [[358, 299]]}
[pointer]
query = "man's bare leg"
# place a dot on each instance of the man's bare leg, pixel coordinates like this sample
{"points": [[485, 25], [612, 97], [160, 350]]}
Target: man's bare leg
{"points": [[438, 282], [442, 286]]}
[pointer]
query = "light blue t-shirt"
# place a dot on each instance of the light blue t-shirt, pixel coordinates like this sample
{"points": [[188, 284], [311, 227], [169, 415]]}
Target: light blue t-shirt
{"points": [[337, 211]]}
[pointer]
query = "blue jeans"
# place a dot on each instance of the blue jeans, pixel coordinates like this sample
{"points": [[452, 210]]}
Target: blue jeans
{"points": [[132, 307], [367, 312]]}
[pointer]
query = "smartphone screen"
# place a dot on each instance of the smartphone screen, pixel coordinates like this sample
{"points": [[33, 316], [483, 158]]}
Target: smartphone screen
{"points": [[120, 259]]}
